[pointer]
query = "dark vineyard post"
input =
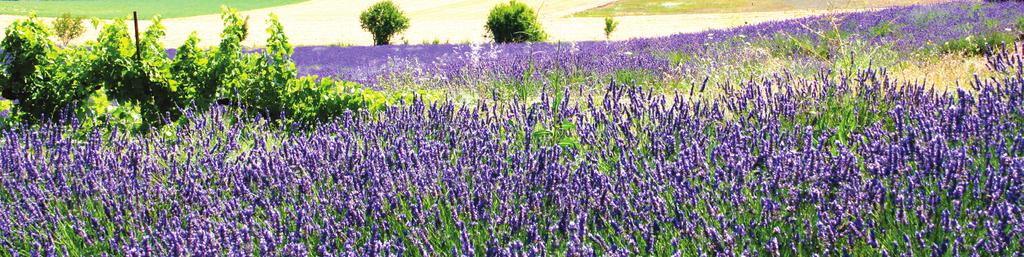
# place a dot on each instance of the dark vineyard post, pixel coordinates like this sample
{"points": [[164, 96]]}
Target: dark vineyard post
{"points": [[135, 16]]}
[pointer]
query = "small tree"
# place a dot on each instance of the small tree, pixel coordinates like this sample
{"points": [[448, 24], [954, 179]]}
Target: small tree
{"points": [[514, 22], [383, 20], [68, 28], [610, 24]]}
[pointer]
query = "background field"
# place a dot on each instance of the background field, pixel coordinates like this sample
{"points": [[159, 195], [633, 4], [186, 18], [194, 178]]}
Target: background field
{"points": [[108, 9], [332, 22], [663, 7]]}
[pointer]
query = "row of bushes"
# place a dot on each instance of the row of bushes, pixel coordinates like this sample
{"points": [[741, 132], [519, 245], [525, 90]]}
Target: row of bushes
{"points": [[512, 22], [44, 80]]}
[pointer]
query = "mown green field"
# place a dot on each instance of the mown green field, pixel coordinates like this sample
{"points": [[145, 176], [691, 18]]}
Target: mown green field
{"points": [[663, 7], [108, 9]]}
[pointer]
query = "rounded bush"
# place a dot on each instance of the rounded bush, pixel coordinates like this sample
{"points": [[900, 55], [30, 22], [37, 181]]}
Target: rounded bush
{"points": [[514, 22], [68, 28], [383, 20]]}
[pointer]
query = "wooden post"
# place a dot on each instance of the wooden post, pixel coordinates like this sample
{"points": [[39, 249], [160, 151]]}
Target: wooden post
{"points": [[135, 16]]}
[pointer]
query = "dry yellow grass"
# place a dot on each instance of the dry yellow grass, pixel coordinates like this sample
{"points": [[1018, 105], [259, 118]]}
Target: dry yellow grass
{"points": [[943, 72], [326, 22]]}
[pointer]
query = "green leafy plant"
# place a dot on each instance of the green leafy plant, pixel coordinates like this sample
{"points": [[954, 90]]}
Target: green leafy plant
{"points": [[272, 71], [114, 82], [99, 111], [43, 79], [384, 20], [514, 22], [26, 45], [191, 72], [136, 76], [560, 134], [60, 84], [312, 99], [68, 28], [610, 24], [229, 67]]}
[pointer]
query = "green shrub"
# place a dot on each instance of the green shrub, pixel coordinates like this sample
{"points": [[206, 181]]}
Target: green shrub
{"points": [[98, 111], [383, 20], [26, 44], [1019, 25], [514, 22], [610, 24], [191, 72], [311, 99], [42, 78], [68, 28], [133, 76], [272, 71], [108, 82], [229, 68], [60, 84]]}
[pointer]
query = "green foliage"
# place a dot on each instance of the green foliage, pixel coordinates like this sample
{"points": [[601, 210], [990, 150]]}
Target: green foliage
{"points": [[135, 76], [883, 29], [977, 45], [59, 84], [561, 134], [435, 41], [610, 24], [111, 82], [311, 99], [383, 20], [42, 78], [6, 106], [677, 58], [633, 77], [68, 28], [514, 22], [269, 74], [7, 119], [98, 111], [26, 44], [191, 72], [229, 67]]}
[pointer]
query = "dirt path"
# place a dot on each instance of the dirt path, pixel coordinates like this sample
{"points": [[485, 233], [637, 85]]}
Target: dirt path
{"points": [[328, 22]]}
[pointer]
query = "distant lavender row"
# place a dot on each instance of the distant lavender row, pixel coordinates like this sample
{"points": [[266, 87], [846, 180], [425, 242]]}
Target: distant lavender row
{"points": [[913, 28]]}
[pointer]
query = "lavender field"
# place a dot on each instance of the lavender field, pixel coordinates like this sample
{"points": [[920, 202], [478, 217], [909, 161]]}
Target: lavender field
{"points": [[794, 138], [810, 44]]}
